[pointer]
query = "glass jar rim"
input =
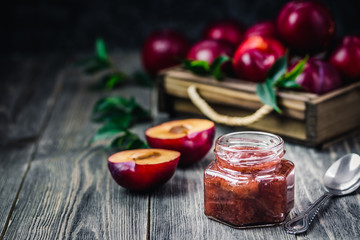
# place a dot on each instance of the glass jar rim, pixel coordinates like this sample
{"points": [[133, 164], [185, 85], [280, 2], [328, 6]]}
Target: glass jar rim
{"points": [[272, 143]]}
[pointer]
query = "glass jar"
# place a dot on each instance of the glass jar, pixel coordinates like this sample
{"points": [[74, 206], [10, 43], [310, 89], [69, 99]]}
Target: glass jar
{"points": [[249, 183]]}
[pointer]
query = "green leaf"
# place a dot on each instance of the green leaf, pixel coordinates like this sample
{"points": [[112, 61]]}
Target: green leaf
{"points": [[122, 120], [289, 84], [128, 141], [288, 79], [109, 103], [107, 116], [278, 69], [266, 93], [216, 67], [297, 70], [110, 81], [100, 50], [115, 80], [143, 79], [197, 66], [110, 108], [109, 130]]}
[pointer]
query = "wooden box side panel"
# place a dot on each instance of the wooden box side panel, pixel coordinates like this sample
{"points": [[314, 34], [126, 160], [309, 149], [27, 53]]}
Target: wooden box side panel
{"points": [[338, 115], [219, 94], [288, 128]]}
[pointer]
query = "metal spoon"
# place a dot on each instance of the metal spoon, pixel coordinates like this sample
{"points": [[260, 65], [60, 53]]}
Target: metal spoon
{"points": [[343, 177]]}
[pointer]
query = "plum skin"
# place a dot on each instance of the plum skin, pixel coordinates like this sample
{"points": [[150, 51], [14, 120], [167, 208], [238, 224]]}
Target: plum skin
{"points": [[193, 147], [209, 49], [306, 25], [163, 49], [226, 30], [142, 177]]}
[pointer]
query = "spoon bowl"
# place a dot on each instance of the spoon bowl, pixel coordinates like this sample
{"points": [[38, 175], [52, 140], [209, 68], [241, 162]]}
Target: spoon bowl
{"points": [[342, 177]]}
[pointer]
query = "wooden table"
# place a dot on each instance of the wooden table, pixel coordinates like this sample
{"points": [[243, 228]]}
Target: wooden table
{"points": [[53, 187]]}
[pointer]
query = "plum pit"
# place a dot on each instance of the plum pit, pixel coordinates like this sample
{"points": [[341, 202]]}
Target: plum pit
{"points": [[179, 129], [145, 155]]}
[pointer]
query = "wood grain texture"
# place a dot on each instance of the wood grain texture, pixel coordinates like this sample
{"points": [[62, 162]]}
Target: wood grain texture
{"points": [[68, 192], [14, 74], [291, 129], [25, 110], [231, 97], [340, 217], [27, 94], [325, 117], [232, 83], [181, 201], [13, 164]]}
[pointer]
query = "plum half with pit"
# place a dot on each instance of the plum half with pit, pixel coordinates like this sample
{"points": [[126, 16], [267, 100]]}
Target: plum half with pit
{"points": [[193, 138], [143, 169]]}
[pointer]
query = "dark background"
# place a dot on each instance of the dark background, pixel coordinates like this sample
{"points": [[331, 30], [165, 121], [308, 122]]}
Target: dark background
{"points": [[40, 26]]}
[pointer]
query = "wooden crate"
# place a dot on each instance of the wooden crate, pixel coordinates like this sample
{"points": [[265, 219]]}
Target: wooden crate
{"points": [[307, 118]]}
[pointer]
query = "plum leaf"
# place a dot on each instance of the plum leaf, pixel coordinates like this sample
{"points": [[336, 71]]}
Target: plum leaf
{"points": [[110, 81], [267, 95], [278, 76], [278, 69], [216, 67], [128, 141], [203, 68], [109, 130], [297, 70], [113, 108], [198, 67], [287, 80], [100, 50]]}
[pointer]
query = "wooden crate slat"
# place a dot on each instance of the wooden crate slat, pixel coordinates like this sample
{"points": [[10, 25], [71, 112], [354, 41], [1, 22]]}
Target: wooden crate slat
{"points": [[338, 114], [307, 118], [236, 84], [178, 87], [294, 129]]}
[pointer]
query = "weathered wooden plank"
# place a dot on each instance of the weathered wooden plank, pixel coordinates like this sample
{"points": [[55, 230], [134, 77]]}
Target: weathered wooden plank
{"points": [[24, 112], [13, 165], [293, 129], [69, 193], [340, 217], [27, 93], [14, 75], [180, 203]]}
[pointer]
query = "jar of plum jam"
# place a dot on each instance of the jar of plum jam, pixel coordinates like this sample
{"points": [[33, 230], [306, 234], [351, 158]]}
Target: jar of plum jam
{"points": [[249, 183]]}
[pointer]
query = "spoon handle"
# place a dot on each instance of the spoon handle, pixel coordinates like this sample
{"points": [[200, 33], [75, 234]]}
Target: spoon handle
{"points": [[301, 222]]}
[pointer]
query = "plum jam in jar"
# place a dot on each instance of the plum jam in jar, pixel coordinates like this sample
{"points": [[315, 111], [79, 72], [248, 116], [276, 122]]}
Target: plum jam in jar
{"points": [[249, 183]]}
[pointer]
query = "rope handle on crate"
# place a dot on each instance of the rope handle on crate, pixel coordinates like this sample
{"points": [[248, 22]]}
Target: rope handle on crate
{"points": [[224, 119]]}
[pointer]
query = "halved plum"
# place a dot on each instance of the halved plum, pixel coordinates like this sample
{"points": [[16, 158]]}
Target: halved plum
{"points": [[143, 169], [193, 138]]}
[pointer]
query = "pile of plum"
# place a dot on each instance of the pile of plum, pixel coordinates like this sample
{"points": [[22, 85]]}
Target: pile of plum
{"points": [[301, 27]]}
